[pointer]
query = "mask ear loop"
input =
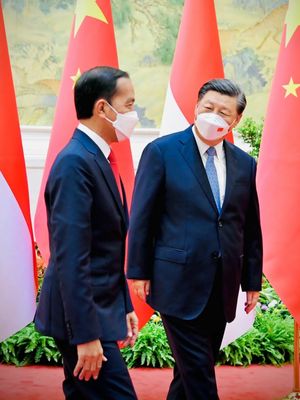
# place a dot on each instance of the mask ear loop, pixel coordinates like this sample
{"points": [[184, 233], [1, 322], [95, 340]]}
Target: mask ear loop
{"points": [[112, 108], [229, 128]]}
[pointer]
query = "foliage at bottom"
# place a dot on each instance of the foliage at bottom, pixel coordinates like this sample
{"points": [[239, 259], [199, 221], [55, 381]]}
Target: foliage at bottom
{"points": [[151, 349], [270, 341], [29, 347]]}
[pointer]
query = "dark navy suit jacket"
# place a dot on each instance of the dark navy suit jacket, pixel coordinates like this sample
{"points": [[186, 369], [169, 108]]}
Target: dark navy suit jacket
{"points": [[177, 238], [84, 294]]}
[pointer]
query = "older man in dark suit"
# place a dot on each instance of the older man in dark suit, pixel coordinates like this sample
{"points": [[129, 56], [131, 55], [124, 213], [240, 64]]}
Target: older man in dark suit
{"points": [[195, 235]]}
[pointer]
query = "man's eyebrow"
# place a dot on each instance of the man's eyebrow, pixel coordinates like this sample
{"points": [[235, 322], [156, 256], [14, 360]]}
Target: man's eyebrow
{"points": [[225, 108], [222, 107]]}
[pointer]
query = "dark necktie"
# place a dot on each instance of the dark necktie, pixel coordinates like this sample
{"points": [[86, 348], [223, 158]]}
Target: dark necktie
{"points": [[212, 176]]}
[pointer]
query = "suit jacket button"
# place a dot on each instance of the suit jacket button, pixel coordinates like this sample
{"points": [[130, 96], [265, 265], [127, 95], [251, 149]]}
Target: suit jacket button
{"points": [[215, 255], [220, 223]]}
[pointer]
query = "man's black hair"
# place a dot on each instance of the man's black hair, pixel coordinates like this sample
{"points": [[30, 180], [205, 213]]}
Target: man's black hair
{"points": [[227, 87], [94, 84]]}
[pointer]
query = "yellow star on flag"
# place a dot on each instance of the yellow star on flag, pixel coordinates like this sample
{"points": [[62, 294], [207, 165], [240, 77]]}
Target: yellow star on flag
{"points": [[291, 88], [87, 8], [292, 19], [75, 77]]}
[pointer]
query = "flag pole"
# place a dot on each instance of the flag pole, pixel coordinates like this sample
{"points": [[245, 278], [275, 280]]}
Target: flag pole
{"points": [[296, 358]]}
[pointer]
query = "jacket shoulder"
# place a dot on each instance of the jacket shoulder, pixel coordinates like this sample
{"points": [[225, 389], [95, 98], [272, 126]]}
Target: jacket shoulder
{"points": [[73, 157], [239, 152], [172, 138]]}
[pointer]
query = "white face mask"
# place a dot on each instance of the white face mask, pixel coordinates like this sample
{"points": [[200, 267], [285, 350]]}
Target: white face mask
{"points": [[211, 126], [124, 123]]}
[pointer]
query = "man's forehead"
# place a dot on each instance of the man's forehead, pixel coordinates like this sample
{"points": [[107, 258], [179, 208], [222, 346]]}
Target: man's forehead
{"points": [[123, 83], [219, 99], [124, 87]]}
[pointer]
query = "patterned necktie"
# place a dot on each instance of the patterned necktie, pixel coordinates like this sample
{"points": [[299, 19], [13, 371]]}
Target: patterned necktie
{"points": [[114, 166], [212, 175]]}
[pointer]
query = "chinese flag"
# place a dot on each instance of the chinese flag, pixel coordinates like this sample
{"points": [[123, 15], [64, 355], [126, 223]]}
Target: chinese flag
{"points": [[278, 176], [92, 43], [198, 59], [17, 257]]}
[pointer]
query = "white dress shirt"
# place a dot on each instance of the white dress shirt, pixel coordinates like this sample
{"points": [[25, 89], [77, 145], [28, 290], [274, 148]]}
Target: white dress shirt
{"points": [[219, 160], [101, 143]]}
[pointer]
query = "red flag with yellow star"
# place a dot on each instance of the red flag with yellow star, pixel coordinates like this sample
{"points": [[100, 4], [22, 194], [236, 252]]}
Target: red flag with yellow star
{"points": [[278, 173], [92, 43]]}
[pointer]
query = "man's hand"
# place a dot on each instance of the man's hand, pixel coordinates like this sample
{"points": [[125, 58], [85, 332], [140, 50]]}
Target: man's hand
{"points": [[251, 302], [132, 329], [90, 358], [141, 288]]}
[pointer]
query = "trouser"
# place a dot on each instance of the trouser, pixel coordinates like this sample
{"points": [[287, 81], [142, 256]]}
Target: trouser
{"points": [[113, 382], [195, 345]]}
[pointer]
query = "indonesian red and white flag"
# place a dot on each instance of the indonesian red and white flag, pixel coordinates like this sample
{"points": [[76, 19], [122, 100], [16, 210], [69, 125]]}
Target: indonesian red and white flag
{"points": [[17, 257], [278, 175], [92, 43], [198, 59]]}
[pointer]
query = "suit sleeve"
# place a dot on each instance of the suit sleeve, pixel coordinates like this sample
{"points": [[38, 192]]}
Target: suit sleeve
{"points": [[128, 303], [252, 268], [145, 212], [70, 202]]}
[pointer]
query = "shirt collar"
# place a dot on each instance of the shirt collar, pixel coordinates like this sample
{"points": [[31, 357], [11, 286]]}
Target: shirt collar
{"points": [[101, 143], [203, 146]]}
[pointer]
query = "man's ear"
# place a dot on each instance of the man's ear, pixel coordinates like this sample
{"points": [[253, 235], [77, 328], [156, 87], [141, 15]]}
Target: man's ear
{"points": [[99, 108], [237, 120]]}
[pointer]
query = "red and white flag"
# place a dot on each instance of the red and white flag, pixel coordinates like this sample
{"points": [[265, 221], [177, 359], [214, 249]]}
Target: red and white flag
{"points": [[198, 59], [278, 174], [92, 43], [17, 257]]}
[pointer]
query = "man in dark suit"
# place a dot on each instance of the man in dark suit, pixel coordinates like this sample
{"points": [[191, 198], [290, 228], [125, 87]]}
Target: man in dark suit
{"points": [[84, 302], [195, 236]]}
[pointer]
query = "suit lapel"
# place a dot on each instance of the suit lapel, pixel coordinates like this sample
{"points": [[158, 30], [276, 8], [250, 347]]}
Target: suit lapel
{"points": [[103, 164], [190, 153], [231, 169]]}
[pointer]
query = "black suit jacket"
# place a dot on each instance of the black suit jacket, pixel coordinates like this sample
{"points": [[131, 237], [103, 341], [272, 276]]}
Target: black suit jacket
{"points": [[178, 240], [84, 294]]}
